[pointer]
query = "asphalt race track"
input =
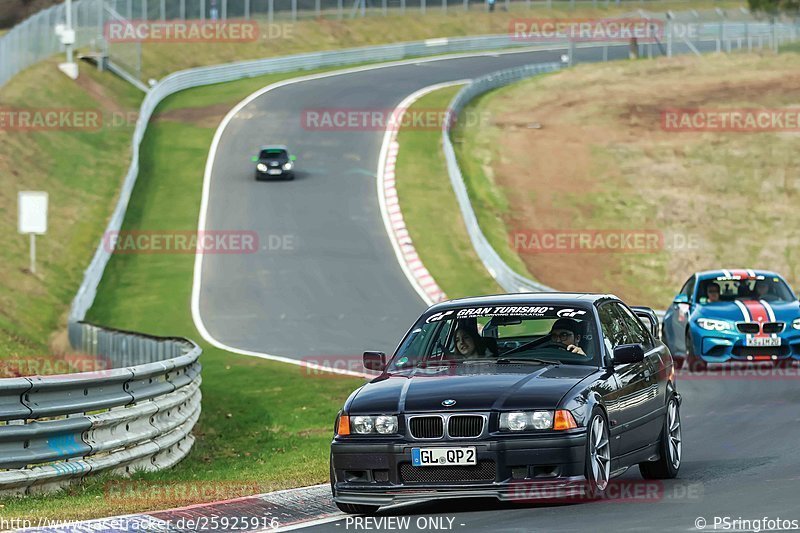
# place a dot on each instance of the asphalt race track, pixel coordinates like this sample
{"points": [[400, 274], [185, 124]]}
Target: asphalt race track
{"points": [[337, 289]]}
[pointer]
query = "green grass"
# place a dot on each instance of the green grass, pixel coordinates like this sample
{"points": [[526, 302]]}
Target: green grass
{"points": [[609, 118], [262, 423], [475, 149], [428, 202], [81, 171]]}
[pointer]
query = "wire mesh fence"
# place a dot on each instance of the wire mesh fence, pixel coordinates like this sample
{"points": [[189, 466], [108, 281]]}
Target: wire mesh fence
{"points": [[35, 39]]}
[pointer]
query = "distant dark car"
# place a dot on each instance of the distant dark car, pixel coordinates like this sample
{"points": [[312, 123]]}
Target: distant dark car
{"points": [[274, 162], [734, 315], [517, 397]]}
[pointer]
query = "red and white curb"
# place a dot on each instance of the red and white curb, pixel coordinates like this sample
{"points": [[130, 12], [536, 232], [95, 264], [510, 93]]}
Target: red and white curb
{"points": [[407, 255]]}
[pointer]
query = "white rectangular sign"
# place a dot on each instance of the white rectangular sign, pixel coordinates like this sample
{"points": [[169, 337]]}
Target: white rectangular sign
{"points": [[33, 212]]}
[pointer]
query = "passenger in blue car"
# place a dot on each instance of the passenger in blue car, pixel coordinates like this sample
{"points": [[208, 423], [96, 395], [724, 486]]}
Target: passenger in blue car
{"points": [[712, 292]]}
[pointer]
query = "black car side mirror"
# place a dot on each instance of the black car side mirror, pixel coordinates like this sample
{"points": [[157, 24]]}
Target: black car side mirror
{"points": [[375, 361], [628, 353]]}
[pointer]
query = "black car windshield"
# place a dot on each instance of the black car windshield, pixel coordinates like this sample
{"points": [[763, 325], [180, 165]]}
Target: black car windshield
{"points": [[722, 289], [272, 153], [500, 335]]}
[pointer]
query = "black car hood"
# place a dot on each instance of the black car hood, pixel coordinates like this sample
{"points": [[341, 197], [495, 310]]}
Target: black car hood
{"points": [[483, 387]]}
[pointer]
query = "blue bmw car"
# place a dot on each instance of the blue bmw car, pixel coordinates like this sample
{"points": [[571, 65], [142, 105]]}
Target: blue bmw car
{"points": [[733, 315]]}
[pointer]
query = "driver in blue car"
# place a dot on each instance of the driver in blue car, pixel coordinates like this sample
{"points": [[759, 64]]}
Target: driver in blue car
{"points": [[713, 292], [566, 333]]}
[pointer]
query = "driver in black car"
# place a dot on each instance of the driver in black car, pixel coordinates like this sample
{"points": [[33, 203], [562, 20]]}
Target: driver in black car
{"points": [[566, 333]]}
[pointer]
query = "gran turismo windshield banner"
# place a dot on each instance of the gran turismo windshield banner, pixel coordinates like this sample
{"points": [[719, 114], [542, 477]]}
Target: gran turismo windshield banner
{"points": [[508, 310]]}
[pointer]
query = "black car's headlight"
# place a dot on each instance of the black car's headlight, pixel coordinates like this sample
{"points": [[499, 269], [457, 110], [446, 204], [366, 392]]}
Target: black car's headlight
{"points": [[367, 425], [288, 166], [261, 167], [537, 420]]}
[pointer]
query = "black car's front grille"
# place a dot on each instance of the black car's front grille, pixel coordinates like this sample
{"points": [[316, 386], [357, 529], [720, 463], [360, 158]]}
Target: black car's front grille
{"points": [[426, 427], [744, 351], [773, 327], [465, 426], [748, 327], [483, 471]]}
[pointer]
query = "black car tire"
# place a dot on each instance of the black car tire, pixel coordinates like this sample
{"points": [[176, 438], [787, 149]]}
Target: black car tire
{"points": [[696, 364], [669, 447], [350, 508], [598, 455]]}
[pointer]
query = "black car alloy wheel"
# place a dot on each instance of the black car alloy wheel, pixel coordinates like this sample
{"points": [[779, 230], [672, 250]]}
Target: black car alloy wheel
{"points": [[670, 447], [598, 455]]}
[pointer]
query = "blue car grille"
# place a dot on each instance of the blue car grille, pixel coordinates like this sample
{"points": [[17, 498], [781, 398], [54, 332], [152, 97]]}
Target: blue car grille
{"points": [[773, 327], [748, 327], [754, 327]]}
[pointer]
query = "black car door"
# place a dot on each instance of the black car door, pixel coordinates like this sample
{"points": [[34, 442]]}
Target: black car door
{"points": [[621, 406], [654, 387]]}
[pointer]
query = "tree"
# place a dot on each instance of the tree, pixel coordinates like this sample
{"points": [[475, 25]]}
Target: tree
{"points": [[774, 6]]}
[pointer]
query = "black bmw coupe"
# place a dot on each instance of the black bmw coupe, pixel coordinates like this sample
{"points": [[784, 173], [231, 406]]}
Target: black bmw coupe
{"points": [[517, 397]]}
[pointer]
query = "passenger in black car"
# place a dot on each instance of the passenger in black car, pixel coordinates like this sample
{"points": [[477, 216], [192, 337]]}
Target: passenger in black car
{"points": [[469, 343]]}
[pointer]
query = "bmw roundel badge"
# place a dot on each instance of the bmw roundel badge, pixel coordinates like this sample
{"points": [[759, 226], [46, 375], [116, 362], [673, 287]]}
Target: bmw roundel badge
{"points": [[449, 403]]}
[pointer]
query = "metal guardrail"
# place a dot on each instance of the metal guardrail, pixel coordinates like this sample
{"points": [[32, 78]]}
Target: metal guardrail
{"points": [[135, 412], [737, 36]]}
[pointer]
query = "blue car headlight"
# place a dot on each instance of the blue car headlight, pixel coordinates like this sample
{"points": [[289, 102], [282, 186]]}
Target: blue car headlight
{"points": [[796, 323], [715, 325]]}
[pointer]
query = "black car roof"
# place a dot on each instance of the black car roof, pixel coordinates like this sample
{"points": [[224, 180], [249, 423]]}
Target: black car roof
{"points": [[523, 298]]}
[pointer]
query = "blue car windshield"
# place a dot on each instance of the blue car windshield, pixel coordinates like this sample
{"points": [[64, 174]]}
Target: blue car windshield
{"points": [[500, 335], [721, 289]]}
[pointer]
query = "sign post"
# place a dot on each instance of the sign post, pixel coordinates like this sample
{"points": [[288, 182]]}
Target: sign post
{"points": [[32, 218]]}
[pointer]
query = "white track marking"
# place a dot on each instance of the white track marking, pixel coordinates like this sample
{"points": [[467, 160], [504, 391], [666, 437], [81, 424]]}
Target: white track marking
{"points": [[417, 275], [212, 154]]}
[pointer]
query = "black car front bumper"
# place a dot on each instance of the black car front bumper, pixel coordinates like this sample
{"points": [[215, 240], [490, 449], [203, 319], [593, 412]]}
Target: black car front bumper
{"points": [[282, 175], [513, 469]]}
